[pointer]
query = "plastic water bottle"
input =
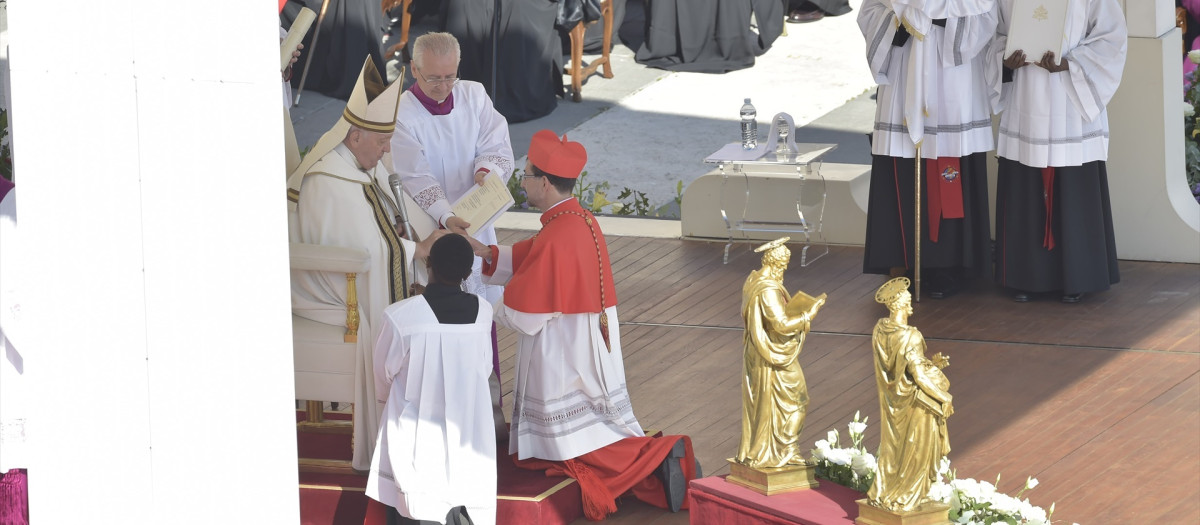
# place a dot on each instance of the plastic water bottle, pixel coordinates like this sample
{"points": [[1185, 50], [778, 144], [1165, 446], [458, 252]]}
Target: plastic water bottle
{"points": [[749, 126]]}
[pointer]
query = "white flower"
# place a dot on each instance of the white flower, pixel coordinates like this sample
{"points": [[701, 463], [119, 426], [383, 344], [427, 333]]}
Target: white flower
{"points": [[1031, 482], [1032, 513], [1188, 110], [838, 456], [857, 428], [1194, 56], [832, 436], [942, 492], [862, 463], [1006, 505], [819, 452]]}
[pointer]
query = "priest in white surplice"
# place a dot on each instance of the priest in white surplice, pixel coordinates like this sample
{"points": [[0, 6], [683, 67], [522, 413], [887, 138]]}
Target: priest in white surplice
{"points": [[436, 451], [337, 197], [928, 58], [448, 137], [1054, 229]]}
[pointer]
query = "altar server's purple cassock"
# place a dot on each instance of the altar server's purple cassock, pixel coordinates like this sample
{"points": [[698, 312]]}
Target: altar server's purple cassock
{"points": [[1054, 228], [928, 58]]}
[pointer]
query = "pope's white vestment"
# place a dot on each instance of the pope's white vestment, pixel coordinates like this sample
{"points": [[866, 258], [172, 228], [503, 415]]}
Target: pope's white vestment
{"points": [[340, 204], [437, 446], [436, 157]]}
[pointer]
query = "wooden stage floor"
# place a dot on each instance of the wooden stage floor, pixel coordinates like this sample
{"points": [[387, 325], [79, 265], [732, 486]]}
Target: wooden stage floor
{"points": [[1099, 400]]}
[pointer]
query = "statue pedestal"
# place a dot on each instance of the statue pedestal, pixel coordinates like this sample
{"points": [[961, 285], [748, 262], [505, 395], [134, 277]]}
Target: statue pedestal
{"points": [[928, 514], [771, 481]]}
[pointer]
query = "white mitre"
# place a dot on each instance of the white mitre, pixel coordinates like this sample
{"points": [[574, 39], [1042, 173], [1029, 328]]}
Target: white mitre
{"points": [[372, 106]]}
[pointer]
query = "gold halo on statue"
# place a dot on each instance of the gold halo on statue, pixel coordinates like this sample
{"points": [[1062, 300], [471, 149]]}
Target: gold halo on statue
{"points": [[891, 290], [773, 244]]}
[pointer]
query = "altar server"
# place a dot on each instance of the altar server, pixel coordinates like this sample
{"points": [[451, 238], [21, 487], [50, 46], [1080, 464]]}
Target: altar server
{"points": [[436, 454], [928, 59], [1054, 229]]}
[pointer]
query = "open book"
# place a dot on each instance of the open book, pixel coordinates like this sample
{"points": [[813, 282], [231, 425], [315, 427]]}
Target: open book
{"points": [[804, 304], [1037, 27], [482, 205]]}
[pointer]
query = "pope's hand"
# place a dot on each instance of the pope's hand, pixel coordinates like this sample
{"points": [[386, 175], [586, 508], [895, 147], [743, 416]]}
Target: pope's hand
{"points": [[427, 243], [479, 175], [457, 225]]}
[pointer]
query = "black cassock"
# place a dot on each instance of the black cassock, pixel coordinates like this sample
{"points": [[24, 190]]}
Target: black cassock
{"points": [[829, 7], [1083, 256], [709, 36], [529, 75], [962, 243], [351, 30]]}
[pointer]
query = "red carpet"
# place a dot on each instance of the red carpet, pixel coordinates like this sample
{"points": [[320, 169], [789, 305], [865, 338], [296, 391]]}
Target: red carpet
{"points": [[525, 497], [714, 501]]}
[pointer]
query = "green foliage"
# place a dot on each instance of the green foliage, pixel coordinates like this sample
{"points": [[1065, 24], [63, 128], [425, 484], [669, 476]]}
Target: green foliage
{"points": [[1191, 133], [596, 198], [851, 466]]}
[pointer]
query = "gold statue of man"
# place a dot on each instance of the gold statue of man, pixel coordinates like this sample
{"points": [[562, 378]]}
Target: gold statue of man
{"points": [[774, 394], [914, 402]]}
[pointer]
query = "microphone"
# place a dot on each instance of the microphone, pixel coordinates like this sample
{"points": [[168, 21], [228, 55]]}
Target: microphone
{"points": [[402, 216]]}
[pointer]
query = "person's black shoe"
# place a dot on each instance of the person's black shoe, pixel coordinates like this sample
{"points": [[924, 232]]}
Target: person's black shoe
{"points": [[942, 284], [1072, 298], [800, 17], [1022, 297], [671, 474]]}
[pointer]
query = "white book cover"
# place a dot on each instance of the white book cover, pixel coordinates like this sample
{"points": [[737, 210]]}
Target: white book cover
{"points": [[1037, 27]]}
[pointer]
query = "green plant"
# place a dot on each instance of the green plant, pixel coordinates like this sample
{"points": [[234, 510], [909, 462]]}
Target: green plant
{"points": [[979, 502], [594, 196], [520, 199], [1191, 127], [853, 466]]}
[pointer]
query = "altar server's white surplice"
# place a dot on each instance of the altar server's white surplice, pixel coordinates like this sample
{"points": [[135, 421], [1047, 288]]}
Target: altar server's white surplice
{"points": [[929, 90], [437, 446]]}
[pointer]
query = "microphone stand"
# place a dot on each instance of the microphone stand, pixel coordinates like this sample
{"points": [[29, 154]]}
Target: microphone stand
{"points": [[401, 210]]}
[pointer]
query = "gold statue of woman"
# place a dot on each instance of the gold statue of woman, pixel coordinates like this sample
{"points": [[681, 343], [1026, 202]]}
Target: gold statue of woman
{"points": [[914, 402], [774, 394]]}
